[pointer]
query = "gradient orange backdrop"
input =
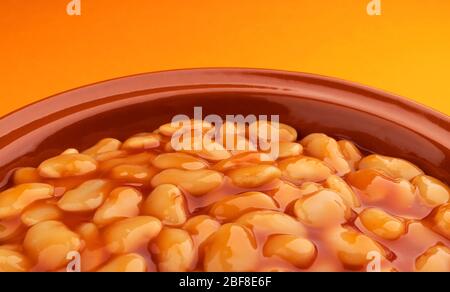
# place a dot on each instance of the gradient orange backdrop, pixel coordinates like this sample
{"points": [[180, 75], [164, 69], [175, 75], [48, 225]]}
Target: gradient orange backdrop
{"points": [[45, 51]]}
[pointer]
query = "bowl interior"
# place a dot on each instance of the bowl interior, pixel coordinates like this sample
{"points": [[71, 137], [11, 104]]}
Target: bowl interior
{"points": [[376, 121]]}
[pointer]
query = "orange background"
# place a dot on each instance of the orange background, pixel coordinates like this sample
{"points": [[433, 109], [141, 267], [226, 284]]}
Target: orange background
{"points": [[45, 51]]}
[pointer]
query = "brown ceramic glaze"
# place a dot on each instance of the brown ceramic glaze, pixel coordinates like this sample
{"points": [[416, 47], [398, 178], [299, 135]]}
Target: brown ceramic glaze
{"points": [[376, 121]]}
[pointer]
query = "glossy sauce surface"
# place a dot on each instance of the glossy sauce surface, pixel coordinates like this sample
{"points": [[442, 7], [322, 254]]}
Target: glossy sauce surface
{"points": [[139, 205]]}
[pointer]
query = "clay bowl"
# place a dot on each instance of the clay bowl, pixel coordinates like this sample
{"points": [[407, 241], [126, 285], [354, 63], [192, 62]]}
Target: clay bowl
{"points": [[377, 121]]}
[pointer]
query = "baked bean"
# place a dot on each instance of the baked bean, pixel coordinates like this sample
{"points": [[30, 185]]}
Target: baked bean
{"points": [[92, 258], [67, 165], [268, 222], [9, 228], [106, 145], [137, 174], [26, 175], [288, 193], [180, 161], [70, 151], [167, 203], [265, 130], [174, 250], [289, 149], [352, 248], [351, 153], [201, 227], [14, 200], [435, 259], [13, 261], [253, 176], [144, 158], [39, 212], [94, 254], [275, 269], [304, 169], [303, 207], [14, 247], [142, 141], [48, 243], [130, 262], [382, 224], [432, 191], [233, 137], [168, 148], [195, 182], [213, 151], [63, 185], [230, 130], [243, 160], [296, 250], [440, 219], [87, 197], [185, 140], [364, 180], [322, 209], [110, 155], [377, 187], [310, 187], [327, 149], [233, 207], [339, 185], [130, 234], [394, 167], [121, 203], [89, 232], [232, 248], [171, 128], [240, 145]]}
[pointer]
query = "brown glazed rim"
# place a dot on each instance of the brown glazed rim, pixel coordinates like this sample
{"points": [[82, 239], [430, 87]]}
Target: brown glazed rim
{"points": [[22, 131]]}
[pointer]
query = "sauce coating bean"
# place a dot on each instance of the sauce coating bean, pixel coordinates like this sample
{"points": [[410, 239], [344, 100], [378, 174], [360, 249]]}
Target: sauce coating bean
{"points": [[13, 201], [130, 234], [167, 203], [67, 165], [195, 196], [231, 249], [297, 250], [48, 243], [121, 203]]}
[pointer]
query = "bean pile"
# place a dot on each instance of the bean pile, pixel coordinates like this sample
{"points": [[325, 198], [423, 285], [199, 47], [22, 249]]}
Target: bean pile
{"points": [[139, 205]]}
